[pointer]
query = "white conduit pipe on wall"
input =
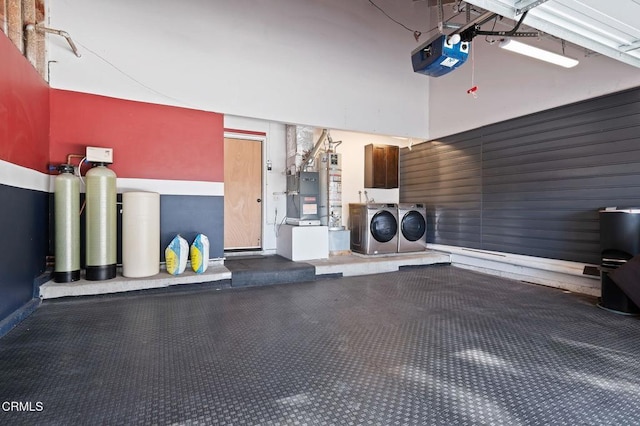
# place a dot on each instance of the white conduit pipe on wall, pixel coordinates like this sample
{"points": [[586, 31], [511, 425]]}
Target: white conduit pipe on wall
{"points": [[40, 28], [140, 234]]}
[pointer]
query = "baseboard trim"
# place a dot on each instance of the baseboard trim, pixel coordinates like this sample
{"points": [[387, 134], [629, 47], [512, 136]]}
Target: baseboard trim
{"points": [[7, 324], [548, 272]]}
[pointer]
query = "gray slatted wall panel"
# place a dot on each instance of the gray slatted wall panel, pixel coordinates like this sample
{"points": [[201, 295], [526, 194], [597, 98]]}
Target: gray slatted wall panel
{"points": [[445, 176], [544, 177]]}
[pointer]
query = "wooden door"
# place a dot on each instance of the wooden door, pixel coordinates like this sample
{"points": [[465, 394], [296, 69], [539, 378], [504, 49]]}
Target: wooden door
{"points": [[242, 194]]}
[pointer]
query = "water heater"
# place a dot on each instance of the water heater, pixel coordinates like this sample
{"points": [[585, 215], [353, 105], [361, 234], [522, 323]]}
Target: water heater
{"points": [[330, 198], [439, 56]]}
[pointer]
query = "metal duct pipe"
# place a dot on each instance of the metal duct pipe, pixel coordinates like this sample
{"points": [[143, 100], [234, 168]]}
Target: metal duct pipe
{"points": [[64, 34], [316, 149]]}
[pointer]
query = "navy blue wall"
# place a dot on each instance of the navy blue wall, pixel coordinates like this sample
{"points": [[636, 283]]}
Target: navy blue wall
{"points": [[187, 215], [190, 215], [24, 232]]}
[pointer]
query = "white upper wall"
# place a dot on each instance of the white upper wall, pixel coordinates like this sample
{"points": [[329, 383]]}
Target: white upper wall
{"points": [[326, 63], [511, 85]]}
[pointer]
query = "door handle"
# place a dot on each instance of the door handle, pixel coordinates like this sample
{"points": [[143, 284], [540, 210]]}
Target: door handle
{"points": [[259, 200]]}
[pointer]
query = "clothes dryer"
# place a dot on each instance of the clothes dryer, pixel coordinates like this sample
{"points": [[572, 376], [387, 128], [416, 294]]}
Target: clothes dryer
{"points": [[413, 227]]}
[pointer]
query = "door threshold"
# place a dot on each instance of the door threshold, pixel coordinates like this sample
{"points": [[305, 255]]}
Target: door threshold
{"points": [[244, 252]]}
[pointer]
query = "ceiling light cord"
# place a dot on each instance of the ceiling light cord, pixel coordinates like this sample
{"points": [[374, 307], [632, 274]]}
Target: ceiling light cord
{"points": [[493, 28], [416, 33], [389, 16], [135, 80]]}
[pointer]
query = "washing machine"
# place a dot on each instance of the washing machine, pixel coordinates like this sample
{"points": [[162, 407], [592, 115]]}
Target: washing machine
{"points": [[413, 227], [374, 228]]}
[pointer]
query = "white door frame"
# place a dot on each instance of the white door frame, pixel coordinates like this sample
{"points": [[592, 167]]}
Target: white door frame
{"points": [[262, 139]]}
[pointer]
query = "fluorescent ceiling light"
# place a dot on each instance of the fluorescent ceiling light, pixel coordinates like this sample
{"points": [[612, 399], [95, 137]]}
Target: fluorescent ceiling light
{"points": [[534, 52]]}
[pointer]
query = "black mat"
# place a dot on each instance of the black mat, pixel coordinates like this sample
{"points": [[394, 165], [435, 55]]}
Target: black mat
{"points": [[267, 270], [433, 346]]}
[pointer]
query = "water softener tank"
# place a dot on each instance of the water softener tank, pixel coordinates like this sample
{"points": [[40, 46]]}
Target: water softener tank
{"points": [[141, 234], [67, 225], [101, 223]]}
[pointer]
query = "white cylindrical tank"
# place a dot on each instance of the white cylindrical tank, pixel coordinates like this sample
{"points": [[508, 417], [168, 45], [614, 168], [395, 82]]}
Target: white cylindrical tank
{"points": [[66, 201], [335, 191], [140, 234], [330, 198], [101, 225]]}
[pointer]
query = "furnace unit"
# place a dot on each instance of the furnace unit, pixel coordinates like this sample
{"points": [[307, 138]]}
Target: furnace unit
{"points": [[302, 199]]}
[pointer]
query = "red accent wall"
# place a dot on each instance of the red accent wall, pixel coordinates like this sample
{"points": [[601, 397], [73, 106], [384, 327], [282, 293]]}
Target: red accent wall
{"points": [[149, 141], [24, 140], [24, 110]]}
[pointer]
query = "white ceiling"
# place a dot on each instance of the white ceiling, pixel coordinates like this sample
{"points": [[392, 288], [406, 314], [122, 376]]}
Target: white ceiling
{"points": [[609, 27]]}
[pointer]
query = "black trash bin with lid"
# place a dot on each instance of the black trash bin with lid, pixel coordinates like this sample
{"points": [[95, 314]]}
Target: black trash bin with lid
{"points": [[619, 242]]}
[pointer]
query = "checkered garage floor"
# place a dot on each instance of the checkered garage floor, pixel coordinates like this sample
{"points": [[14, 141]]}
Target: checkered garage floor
{"points": [[434, 346]]}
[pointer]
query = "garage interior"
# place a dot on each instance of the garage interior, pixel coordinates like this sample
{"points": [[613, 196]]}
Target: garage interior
{"points": [[528, 173]]}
